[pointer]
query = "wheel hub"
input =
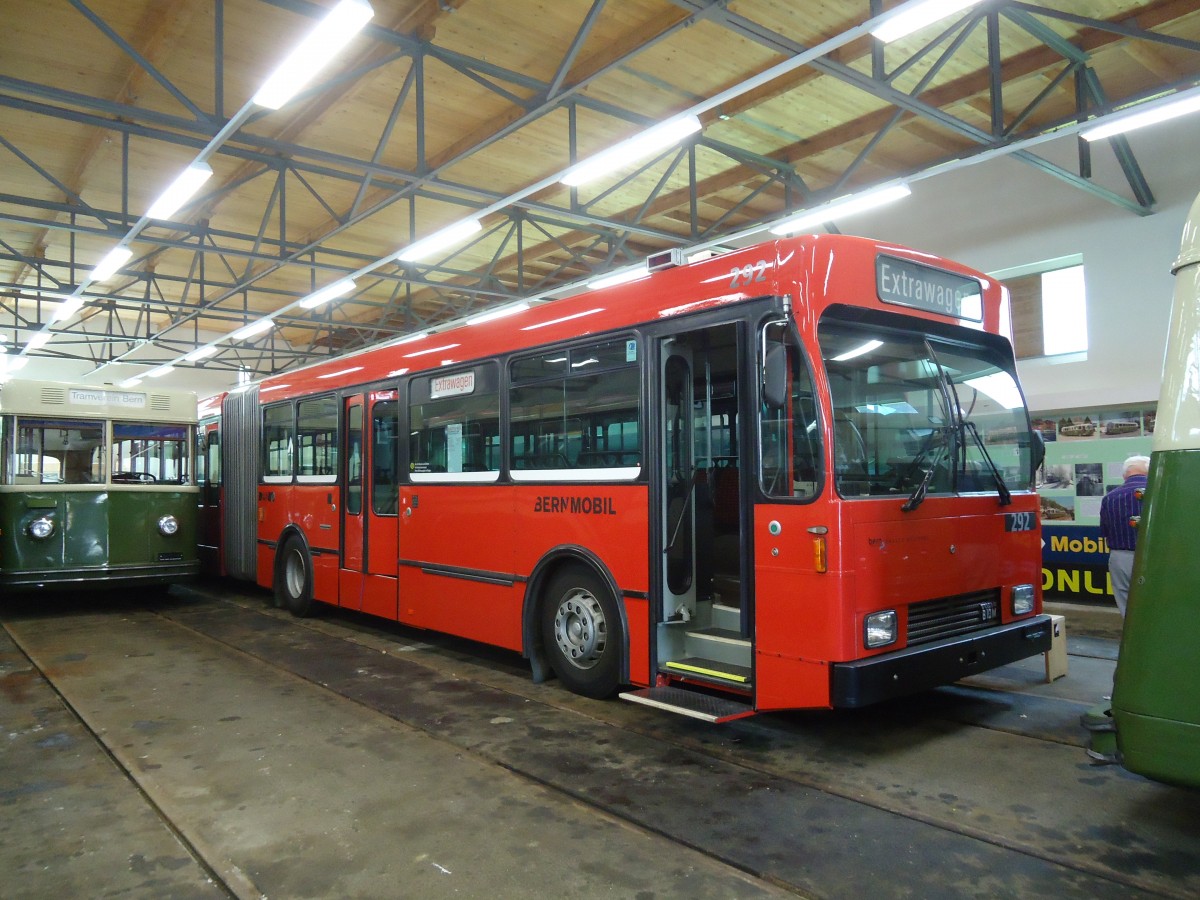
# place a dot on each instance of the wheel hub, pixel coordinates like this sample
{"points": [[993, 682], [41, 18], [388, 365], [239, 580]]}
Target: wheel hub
{"points": [[580, 629]]}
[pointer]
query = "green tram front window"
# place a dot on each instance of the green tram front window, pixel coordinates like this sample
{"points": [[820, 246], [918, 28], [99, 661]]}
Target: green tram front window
{"points": [[910, 409], [57, 451], [150, 453]]}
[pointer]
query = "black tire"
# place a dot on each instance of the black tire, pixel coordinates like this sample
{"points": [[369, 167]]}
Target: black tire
{"points": [[294, 579], [582, 634]]}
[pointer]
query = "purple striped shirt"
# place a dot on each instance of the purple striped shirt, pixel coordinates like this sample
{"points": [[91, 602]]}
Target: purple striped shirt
{"points": [[1116, 508]]}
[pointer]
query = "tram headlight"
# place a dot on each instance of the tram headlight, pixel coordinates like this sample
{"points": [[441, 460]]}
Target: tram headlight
{"points": [[880, 628], [41, 528], [1022, 599], [168, 525]]}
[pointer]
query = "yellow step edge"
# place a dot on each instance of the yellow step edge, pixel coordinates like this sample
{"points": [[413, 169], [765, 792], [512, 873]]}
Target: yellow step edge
{"points": [[711, 673]]}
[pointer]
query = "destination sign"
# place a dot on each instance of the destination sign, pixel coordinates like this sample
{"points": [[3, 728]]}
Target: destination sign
{"points": [[101, 397], [452, 385], [907, 283]]}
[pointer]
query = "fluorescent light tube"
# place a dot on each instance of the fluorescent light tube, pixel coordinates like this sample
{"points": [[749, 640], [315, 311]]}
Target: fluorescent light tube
{"points": [[182, 190], [500, 313], [254, 328], [108, 266], [439, 240], [160, 371], [67, 308], [917, 16], [17, 363], [130, 382], [323, 43], [39, 340], [327, 293], [1143, 115], [845, 206], [201, 353], [648, 142]]}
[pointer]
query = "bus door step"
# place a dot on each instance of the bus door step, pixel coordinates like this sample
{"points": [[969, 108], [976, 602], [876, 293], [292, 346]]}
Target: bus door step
{"points": [[690, 703]]}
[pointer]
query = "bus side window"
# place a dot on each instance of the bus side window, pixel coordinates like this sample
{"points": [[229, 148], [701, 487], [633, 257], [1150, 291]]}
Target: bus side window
{"points": [[454, 424]]}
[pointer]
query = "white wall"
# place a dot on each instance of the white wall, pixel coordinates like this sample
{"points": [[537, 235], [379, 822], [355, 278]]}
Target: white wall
{"points": [[1004, 213]]}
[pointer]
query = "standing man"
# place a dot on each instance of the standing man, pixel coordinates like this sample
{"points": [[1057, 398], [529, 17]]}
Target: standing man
{"points": [[1116, 509]]}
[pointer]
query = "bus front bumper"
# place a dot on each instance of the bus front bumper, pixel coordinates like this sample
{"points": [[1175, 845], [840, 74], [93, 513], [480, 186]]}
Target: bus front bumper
{"points": [[101, 577], [926, 666]]}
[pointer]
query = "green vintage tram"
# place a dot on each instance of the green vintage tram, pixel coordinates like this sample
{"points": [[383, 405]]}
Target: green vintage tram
{"points": [[96, 486], [1156, 695]]}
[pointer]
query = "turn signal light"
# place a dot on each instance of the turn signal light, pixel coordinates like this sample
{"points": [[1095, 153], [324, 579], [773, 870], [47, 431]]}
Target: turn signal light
{"points": [[820, 559]]}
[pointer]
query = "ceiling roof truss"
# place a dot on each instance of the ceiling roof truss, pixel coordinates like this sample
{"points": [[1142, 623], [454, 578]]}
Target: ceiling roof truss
{"points": [[534, 241]]}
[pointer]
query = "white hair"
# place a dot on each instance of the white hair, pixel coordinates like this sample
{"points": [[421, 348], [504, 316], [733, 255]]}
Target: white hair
{"points": [[1135, 462]]}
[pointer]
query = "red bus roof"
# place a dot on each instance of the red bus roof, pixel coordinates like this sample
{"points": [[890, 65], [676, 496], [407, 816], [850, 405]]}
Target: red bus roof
{"points": [[817, 270]]}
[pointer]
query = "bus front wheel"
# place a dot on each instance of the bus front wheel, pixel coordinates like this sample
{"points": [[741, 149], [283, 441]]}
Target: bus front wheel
{"points": [[293, 579], [581, 632]]}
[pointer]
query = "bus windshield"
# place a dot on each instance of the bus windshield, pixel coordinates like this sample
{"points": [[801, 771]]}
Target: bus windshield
{"points": [[914, 413]]}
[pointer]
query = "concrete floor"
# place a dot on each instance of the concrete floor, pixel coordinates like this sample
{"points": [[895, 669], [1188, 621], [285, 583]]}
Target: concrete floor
{"points": [[196, 746]]}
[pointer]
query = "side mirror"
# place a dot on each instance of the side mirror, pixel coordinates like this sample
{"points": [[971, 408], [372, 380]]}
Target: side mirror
{"points": [[775, 382]]}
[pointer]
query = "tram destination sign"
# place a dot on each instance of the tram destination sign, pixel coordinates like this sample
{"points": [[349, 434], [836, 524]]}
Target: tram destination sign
{"points": [[101, 397], [906, 283]]}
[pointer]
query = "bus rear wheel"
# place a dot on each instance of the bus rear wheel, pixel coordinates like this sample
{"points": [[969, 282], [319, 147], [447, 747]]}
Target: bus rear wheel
{"points": [[581, 632], [293, 579]]}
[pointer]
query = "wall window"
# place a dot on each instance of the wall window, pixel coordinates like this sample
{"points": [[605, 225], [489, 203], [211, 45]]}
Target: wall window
{"points": [[1048, 308], [454, 425], [575, 412]]}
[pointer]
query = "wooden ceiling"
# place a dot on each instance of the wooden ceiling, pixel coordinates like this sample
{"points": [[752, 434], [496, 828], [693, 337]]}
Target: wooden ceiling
{"points": [[443, 109]]}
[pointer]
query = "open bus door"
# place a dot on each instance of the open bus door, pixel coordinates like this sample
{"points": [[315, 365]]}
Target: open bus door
{"points": [[367, 576], [703, 632]]}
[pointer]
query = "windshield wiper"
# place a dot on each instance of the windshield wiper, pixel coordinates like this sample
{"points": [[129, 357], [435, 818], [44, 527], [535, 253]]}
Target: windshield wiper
{"points": [[917, 497], [1005, 495]]}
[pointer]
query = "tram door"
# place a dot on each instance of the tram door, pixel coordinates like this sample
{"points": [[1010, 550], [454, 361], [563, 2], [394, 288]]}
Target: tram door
{"points": [[368, 578]]}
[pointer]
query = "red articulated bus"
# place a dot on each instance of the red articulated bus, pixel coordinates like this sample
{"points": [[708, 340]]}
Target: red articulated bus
{"points": [[791, 476]]}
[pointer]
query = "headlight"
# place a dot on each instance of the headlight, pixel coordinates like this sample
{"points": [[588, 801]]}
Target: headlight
{"points": [[41, 528], [168, 525], [880, 628], [1022, 599]]}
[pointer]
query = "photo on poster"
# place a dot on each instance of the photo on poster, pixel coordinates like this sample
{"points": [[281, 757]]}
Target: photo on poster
{"points": [[1120, 424], [1076, 427], [1148, 421], [1089, 479], [1047, 428], [1058, 509], [1054, 477]]}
